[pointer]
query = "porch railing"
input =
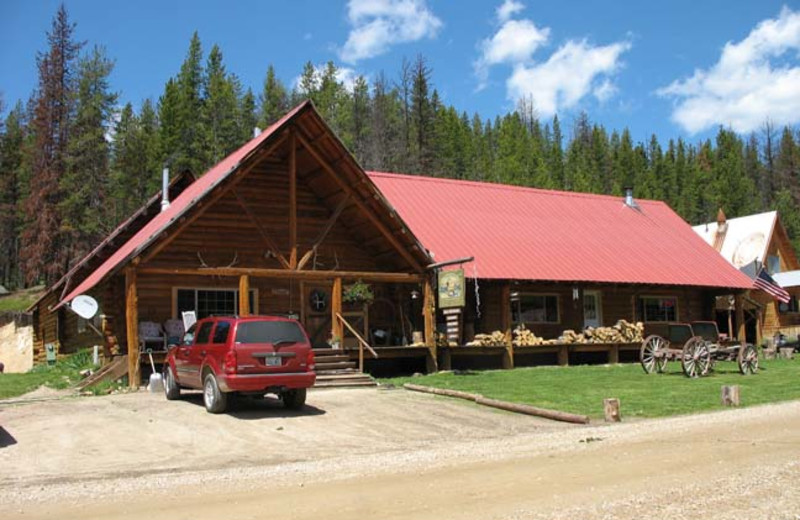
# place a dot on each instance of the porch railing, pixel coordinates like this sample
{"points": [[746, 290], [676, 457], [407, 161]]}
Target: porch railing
{"points": [[362, 343]]}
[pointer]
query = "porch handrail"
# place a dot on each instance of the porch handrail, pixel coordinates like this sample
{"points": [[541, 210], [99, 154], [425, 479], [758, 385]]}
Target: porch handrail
{"points": [[361, 343]]}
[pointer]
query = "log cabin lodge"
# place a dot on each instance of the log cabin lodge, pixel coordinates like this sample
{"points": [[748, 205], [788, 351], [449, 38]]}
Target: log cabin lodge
{"points": [[285, 224]]}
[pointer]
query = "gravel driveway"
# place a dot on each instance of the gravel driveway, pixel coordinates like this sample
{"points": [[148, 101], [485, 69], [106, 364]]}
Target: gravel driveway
{"points": [[389, 454]]}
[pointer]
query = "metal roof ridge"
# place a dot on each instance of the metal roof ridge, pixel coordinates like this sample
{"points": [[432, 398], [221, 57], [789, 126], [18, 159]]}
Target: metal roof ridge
{"points": [[503, 186]]}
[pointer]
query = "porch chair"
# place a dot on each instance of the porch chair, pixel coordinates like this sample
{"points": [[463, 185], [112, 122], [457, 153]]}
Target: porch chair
{"points": [[151, 333], [174, 330]]}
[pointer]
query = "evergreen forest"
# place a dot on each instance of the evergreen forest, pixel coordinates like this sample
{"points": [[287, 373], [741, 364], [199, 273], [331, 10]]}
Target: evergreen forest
{"points": [[75, 161]]}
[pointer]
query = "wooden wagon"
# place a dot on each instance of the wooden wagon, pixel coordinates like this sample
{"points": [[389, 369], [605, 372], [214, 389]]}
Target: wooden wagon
{"points": [[697, 345]]}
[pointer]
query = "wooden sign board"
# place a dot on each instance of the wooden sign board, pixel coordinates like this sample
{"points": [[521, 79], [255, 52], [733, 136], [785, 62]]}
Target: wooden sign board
{"points": [[451, 289], [453, 321]]}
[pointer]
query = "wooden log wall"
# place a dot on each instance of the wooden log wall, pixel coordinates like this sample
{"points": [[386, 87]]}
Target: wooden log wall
{"points": [[45, 327], [617, 302], [225, 233]]}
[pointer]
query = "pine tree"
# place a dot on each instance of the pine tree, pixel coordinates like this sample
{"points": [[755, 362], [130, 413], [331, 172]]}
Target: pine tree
{"points": [[248, 120], [422, 115], [85, 183], [359, 119], [221, 133], [12, 141], [43, 255], [183, 146], [385, 143], [274, 101]]}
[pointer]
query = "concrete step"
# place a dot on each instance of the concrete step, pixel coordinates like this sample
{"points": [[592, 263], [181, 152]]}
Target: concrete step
{"points": [[331, 359], [349, 383], [334, 366]]}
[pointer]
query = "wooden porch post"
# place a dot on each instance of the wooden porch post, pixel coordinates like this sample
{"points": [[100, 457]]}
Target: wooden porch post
{"points": [[336, 308], [505, 325], [244, 295], [429, 314], [132, 326], [739, 308], [292, 200]]}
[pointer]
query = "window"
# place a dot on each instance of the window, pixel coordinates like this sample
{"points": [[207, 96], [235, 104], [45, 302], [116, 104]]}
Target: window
{"points": [[204, 333], [792, 306], [658, 308], [534, 308], [773, 264], [269, 332], [221, 332], [211, 302]]}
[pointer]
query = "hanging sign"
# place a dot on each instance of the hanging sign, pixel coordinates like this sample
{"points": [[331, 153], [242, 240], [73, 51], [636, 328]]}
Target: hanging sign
{"points": [[451, 289]]}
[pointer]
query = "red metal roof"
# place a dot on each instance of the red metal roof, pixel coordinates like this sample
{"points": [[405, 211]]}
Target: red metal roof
{"points": [[179, 206], [531, 234]]}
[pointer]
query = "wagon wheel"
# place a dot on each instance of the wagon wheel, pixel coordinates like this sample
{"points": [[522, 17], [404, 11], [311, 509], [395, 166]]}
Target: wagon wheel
{"points": [[653, 354], [695, 357], [748, 360]]}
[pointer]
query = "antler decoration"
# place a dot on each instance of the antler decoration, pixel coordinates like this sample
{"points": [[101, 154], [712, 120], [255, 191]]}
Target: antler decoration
{"points": [[203, 263]]}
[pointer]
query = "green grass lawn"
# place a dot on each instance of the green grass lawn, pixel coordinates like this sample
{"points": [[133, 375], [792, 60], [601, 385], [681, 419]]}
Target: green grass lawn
{"points": [[581, 389], [20, 300], [62, 374]]}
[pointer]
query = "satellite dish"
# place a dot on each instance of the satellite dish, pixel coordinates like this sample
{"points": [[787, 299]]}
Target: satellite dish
{"points": [[84, 306]]}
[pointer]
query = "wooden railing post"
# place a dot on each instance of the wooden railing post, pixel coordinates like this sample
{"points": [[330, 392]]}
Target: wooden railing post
{"points": [[336, 309], [132, 326], [429, 313], [739, 308], [506, 325], [244, 295]]}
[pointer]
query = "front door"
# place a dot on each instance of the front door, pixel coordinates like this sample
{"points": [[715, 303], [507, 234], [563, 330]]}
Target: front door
{"points": [[592, 313]]}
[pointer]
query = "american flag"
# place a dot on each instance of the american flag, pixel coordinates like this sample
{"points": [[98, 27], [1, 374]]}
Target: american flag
{"points": [[765, 282]]}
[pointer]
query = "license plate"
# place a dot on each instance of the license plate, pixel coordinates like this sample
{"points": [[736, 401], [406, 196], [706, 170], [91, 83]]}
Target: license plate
{"points": [[273, 361]]}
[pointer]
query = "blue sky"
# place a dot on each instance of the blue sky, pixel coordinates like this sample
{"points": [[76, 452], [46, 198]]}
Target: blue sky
{"points": [[674, 68]]}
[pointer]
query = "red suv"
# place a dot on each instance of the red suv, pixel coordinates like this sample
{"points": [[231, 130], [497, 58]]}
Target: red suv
{"points": [[256, 355]]}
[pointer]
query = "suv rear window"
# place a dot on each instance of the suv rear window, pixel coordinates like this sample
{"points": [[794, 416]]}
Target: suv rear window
{"points": [[269, 332]]}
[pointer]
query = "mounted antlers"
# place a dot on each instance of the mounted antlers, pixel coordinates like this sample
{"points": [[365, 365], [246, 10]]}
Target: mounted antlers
{"points": [[205, 265]]}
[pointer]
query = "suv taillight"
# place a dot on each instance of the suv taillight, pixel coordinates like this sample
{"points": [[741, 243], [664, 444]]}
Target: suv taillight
{"points": [[310, 360], [230, 362]]}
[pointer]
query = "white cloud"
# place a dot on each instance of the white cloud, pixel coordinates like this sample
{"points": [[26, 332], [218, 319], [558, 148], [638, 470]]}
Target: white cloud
{"points": [[508, 9], [575, 70], [748, 84], [344, 75], [379, 24]]}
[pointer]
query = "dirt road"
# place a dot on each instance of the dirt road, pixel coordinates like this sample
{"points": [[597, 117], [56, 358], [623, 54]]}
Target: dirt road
{"points": [[373, 454]]}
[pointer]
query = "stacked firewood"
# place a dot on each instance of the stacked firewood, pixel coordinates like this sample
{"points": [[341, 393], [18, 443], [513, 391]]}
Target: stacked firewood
{"points": [[570, 336], [495, 339], [622, 332], [525, 338]]}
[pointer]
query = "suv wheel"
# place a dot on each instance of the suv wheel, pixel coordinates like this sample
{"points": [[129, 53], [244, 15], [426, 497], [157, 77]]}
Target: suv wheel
{"points": [[215, 400], [294, 399], [171, 388]]}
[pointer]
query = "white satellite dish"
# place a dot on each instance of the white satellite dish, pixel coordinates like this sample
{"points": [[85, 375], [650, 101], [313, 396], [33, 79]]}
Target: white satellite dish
{"points": [[84, 306]]}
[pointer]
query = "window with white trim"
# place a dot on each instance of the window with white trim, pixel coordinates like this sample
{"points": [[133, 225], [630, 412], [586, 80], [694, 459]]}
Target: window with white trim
{"points": [[658, 308], [792, 306], [534, 308], [211, 302]]}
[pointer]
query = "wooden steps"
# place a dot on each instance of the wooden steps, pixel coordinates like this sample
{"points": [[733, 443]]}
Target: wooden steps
{"points": [[335, 370], [114, 370]]}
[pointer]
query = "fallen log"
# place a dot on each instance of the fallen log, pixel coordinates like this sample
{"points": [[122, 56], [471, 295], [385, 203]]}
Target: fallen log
{"points": [[442, 391], [533, 410], [554, 415]]}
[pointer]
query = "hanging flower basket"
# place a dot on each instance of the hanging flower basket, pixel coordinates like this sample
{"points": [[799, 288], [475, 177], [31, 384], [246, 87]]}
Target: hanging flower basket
{"points": [[357, 292]]}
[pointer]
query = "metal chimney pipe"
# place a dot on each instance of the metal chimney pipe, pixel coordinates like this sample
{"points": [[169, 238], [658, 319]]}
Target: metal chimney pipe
{"points": [[629, 197], [256, 132], [164, 189]]}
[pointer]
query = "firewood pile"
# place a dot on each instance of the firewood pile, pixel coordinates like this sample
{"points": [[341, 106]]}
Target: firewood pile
{"points": [[622, 332], [526, 338], [495, 339]]}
